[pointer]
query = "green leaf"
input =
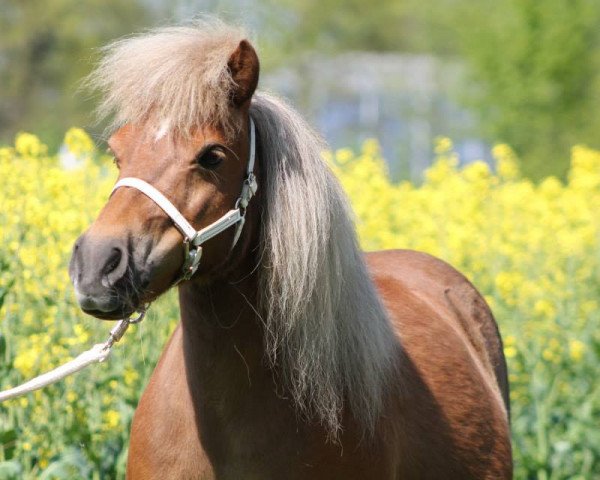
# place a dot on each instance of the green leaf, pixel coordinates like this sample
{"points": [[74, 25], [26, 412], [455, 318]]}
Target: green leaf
{"points": [[8, 439]]}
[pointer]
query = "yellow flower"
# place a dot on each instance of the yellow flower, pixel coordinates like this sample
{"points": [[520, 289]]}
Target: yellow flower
{"points": [[82, 336], [71, 396], [549, 355], [510, 351], [28, 145], [112, 419], [506, 162], [5, 154], [476, 171], [576, 350], [25, 361], [343, 155], [442, 171], [79, 142], [544, 308], [443, 145], [130, 376]]}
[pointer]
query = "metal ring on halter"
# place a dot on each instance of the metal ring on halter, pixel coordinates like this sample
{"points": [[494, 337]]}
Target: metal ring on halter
{"points": [[120, 328], [140, 317]]}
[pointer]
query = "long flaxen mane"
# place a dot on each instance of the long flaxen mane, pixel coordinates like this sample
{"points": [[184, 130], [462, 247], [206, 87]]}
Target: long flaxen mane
{"points": [[324, 321], [326, 331]]}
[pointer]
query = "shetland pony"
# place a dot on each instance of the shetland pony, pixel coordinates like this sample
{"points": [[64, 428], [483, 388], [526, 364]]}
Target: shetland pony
{"points": [[297, 356]]}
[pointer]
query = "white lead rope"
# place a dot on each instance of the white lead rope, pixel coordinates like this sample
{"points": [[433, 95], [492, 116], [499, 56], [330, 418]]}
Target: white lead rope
{"points": [[97, 354]]}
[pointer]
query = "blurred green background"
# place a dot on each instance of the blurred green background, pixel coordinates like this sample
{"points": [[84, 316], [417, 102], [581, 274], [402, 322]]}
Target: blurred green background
{"points": [[524, 72]]}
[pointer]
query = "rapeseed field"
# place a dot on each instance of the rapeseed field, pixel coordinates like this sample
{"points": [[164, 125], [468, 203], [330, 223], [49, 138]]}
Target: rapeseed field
{"points": [[532, 249]]}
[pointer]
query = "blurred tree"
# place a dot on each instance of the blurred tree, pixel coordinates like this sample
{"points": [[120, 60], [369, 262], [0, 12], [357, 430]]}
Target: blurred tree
{"points": [[46, 48], [287, 28], [387, 25], [536, 67]]}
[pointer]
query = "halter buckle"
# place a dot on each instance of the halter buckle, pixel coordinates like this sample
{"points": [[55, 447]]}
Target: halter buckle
{"points": [[252, 184], [249, 189], [192, 259]]}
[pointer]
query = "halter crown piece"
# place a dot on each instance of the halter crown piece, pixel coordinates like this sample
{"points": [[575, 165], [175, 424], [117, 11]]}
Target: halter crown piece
{"points": [[193, 239]]}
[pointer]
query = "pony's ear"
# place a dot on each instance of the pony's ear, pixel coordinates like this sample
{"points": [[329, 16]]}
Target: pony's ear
{"points": [[244, 67]]}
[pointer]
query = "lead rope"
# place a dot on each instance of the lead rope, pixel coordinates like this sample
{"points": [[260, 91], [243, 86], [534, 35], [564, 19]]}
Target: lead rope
{"points": [[97, 354]]}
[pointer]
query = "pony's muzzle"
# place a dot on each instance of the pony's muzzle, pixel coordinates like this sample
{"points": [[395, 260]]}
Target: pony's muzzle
{"points": [[97, 265]]}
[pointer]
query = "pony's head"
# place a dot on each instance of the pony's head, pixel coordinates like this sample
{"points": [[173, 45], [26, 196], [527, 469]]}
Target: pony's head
{"points": [[180, 98]]}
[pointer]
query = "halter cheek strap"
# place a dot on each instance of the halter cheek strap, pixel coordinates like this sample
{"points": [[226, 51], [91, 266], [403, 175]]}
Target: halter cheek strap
{"points": [[193, 239]]}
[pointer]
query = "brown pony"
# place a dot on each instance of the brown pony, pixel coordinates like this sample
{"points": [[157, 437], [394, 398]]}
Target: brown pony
{"points": [[297, 356]]}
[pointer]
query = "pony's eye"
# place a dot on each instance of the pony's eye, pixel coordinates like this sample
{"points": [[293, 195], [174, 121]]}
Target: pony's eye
{"points": [[211, 158], [115, 159]]}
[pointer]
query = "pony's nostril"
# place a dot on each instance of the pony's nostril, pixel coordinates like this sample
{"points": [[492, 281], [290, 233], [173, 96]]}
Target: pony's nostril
{"points": [[113, 261]]}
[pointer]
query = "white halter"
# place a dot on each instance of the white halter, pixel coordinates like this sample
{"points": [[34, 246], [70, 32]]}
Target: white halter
{"points": [[193, 239]]}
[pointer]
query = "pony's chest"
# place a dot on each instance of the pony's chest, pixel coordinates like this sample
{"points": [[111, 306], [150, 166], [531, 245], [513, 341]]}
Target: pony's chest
{"points": [[248, 433]]}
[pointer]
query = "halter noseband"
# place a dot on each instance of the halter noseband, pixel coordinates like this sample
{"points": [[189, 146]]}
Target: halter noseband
{"points": [[193, 239]]}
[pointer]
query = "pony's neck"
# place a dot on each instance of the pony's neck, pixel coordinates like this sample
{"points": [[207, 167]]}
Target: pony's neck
{"points": [[222, 335], [232, 388], [236, 393]]}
